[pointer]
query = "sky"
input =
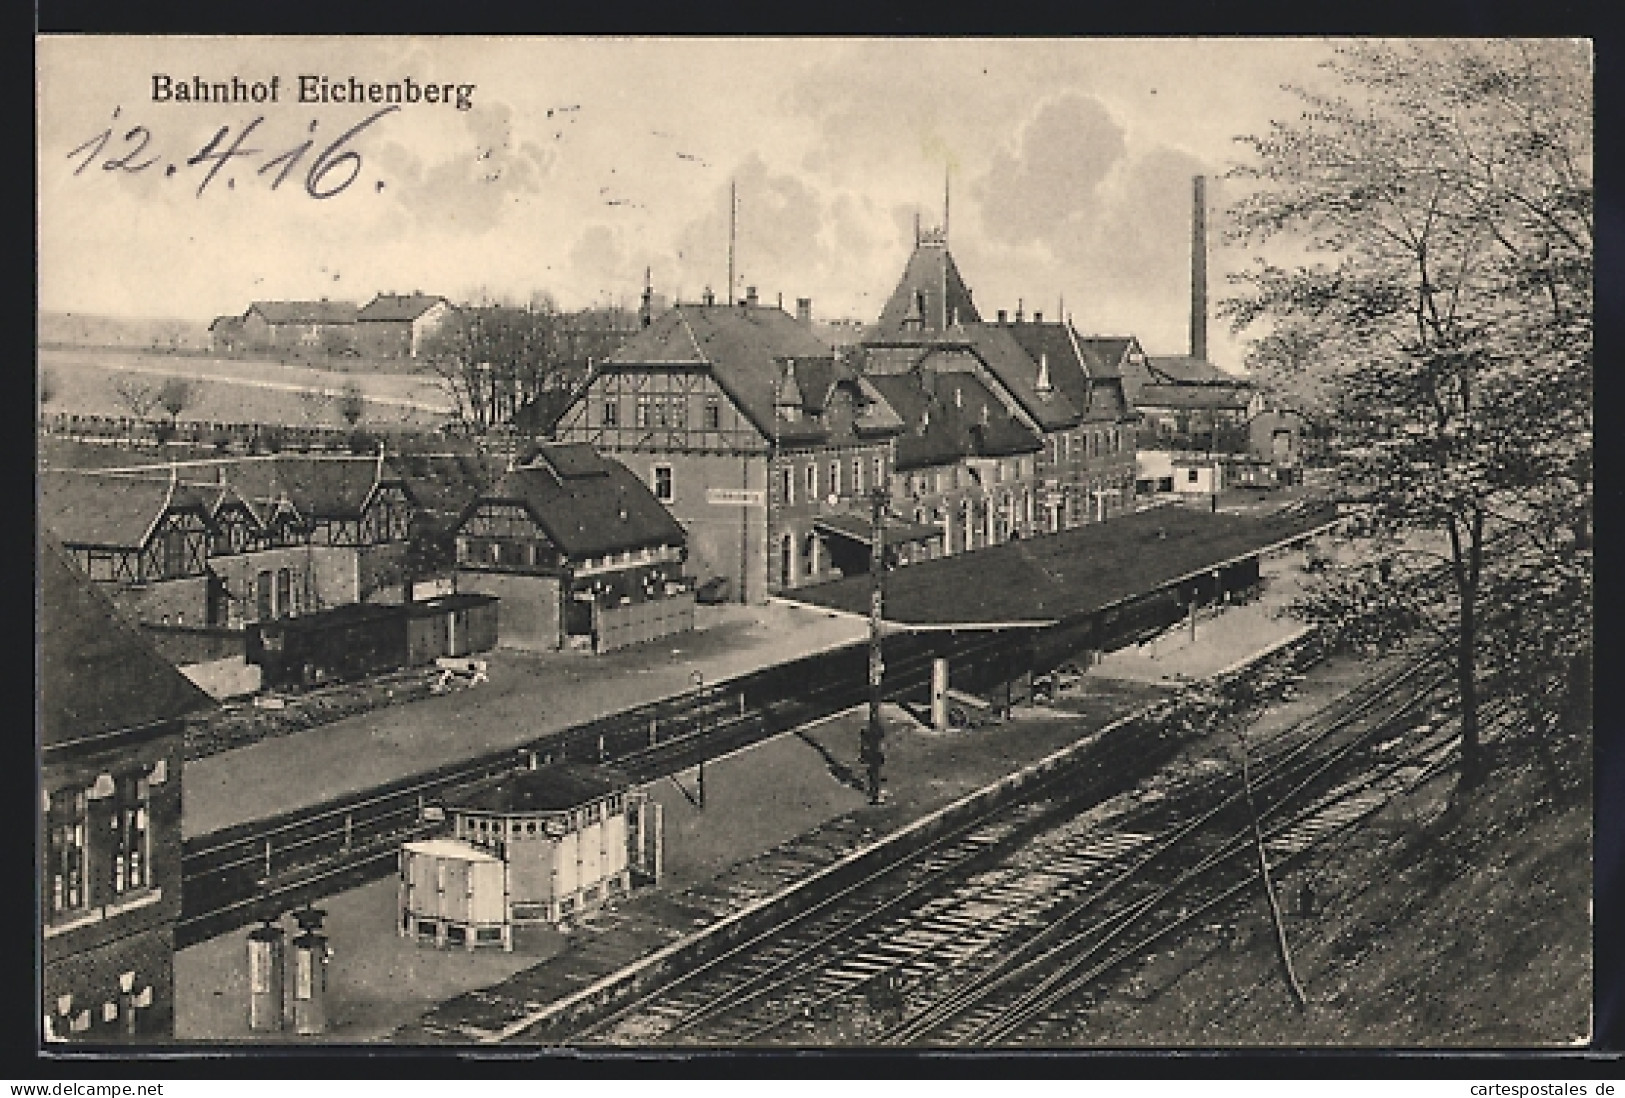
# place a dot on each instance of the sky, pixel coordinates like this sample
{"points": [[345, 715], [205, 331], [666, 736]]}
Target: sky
{"points": [[581, 163]]}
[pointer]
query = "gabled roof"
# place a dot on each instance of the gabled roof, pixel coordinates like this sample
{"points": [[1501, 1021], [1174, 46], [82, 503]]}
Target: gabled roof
{"points": [[1002, 357], [1185, 370], [87, 508], [744, 347], [931, 291], [318, 486], [398, 307], [98, 674], [587, 512], [569, 460], [306, 312], [943, 421], [1094, 391], [1104, 356]]}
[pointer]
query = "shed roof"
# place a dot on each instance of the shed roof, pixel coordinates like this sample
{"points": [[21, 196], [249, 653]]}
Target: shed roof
{"points": [[587, 513], [306, 312], [1058, 576], [398, 307], [1218, 397], [556, 788], [98, 673]]}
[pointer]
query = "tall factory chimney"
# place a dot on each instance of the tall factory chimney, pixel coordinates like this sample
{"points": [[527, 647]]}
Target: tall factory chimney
{"points": [[1199, 270]]}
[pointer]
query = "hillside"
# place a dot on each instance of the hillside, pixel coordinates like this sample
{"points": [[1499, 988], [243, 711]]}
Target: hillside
{"points": [[92, 330]]}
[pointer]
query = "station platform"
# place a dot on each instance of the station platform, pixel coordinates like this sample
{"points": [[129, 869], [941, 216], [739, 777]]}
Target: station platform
{"points": [[528, 695], [774, 811]]}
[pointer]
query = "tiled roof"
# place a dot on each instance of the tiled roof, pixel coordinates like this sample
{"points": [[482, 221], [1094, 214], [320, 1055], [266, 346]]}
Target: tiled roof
{"points": [[319, 486], [98, 674], [931, 290], [1093, 389], [943, 416], [743, 345], [306, 312], [569, 460], [398, 306], [1076, 572], [90, 508], [587, 515], [555, 788]]}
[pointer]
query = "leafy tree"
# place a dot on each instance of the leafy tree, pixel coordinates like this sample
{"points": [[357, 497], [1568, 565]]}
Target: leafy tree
{"points": [[176, 395], [1426, 239]]}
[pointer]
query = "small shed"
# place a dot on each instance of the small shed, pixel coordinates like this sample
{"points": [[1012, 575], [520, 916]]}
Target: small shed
{"points": [[563, 833], [345, 642]]}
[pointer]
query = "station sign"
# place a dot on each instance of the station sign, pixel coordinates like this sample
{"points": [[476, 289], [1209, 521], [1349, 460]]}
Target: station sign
{"points": [[736, 497]]}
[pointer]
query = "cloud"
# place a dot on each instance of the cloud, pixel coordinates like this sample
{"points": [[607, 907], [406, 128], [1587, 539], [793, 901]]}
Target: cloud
{"points": [[469, 191], [1068, 149]]}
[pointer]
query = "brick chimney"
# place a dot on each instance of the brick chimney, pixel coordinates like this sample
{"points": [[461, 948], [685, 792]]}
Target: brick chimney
{"points": [[1004, 316], [708, 298], [750, 295], [1199, 269], [1038, 318], [804, 310]]}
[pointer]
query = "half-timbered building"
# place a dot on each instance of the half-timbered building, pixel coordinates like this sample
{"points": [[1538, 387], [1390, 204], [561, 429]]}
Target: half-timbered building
{"points": [[233, 541], [578, 550], [145, 538], [110, 713], [749, 430]]}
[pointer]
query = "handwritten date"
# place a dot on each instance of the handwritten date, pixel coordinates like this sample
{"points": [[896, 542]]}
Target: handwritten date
{"points": [[330, 173]]}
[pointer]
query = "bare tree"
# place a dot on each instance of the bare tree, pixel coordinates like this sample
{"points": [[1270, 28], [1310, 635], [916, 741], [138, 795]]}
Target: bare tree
{"points": [[137, 396]]}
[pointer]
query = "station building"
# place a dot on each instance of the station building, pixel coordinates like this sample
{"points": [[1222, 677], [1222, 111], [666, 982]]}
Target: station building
{"points": [[111, 712], [748, 429]]}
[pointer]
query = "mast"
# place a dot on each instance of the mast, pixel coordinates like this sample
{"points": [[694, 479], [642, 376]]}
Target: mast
{"points": [[733, 206]]}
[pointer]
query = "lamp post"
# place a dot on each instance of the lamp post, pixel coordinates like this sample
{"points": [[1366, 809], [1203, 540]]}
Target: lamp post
{"points": [[871, 753]]}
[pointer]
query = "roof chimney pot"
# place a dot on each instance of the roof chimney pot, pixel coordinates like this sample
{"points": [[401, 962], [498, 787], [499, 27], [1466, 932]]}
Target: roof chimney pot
{"points": [[804, 310], [1004, 316], [1038, 318], [750, 295]]}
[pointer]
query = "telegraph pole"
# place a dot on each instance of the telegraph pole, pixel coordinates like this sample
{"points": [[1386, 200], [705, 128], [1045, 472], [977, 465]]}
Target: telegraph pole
{"points": [[870, 753]]}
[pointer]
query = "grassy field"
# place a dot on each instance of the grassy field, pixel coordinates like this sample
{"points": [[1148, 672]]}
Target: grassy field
{"points": [[238, 390]]}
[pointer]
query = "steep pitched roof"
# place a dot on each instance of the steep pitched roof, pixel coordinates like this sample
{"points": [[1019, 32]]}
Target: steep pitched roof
{"points": [[744, 347], [98, 674], [1014, 371], [90, 508], [947, 416], [1103, 356], [931, 291], [586, 510], [306, 312], [1095, 391], [319, 486], [398, 307]]}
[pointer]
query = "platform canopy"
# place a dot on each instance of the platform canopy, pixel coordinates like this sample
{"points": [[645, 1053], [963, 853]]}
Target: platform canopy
{"points": [[1059, 577], [859, 529]]}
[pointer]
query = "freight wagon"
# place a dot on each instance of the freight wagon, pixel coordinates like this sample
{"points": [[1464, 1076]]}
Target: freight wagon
{"points": [[350, 642]]}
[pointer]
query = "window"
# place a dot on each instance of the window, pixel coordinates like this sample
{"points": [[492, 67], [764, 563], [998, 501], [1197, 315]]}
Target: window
{"points": [[713, 414], [612, 413], [834, 478], [812, 481], [65, 825], [262, 595], [643, 412], [284, 590], [130, 847], [857, 476], [880, 471], [1190, 476], [663, 484], [787, 487]]}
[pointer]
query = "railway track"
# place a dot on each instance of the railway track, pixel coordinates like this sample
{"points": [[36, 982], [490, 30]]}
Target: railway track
{"points": [[233, 877], [915, 932]]}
